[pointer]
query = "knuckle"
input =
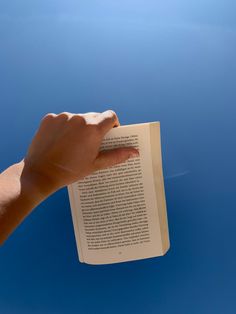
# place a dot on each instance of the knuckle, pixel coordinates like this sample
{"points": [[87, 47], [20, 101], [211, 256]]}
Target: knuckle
{"points": [[93, 114], [64, 115], [78, 120], [111, 114], [111, 117], [48, 117]]}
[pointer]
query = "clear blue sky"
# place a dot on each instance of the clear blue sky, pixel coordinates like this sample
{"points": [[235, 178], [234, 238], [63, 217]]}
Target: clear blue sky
{"points": [[172, 61]]}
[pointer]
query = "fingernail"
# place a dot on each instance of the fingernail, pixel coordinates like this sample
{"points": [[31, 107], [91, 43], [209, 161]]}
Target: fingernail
{"points": [[134, 155]]}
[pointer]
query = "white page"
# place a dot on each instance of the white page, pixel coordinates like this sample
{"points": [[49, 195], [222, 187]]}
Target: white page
{"points": [[98, 215]]}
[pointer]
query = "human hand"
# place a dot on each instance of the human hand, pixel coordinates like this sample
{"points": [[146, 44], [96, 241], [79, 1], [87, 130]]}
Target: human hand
{"points": [[66, 148]]}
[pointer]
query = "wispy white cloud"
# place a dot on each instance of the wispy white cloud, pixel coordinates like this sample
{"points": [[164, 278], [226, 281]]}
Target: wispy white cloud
{"points": [[178, 174]]}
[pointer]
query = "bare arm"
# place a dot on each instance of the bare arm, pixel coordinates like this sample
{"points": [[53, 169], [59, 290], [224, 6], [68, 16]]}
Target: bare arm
{"points": [[64, 150]]}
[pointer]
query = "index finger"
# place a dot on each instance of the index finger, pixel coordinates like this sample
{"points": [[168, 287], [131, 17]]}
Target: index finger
{"points": [[108, 120]]}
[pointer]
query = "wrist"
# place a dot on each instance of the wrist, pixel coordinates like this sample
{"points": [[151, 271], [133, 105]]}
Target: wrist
{"points": [[21, 190], [35, 185]]}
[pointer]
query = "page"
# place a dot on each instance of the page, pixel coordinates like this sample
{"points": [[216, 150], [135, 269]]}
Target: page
{"points": [[116, 209], [159, 184]]}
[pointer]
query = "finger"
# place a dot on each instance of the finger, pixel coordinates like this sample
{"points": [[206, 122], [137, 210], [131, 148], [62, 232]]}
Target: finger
{"points": [[64, 116], [90, 117], [58, 119], [89, 114], [46, 120], [107, 120], [49, 116], [109, 158]]}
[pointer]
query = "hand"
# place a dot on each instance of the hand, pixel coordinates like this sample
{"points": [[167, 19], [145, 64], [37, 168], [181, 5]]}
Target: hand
{"points": [[66, 148]]}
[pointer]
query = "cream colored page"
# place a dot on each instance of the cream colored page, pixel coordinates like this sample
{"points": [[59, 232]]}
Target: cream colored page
{"points": [[159, 184], [72, 191], [117, 214]]}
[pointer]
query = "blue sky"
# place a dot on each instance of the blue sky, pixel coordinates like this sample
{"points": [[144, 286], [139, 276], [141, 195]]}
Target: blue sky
{"points": [[172, 61]]}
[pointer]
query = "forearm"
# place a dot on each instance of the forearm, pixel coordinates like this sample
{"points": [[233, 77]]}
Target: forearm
{"points": [[20, 192]]}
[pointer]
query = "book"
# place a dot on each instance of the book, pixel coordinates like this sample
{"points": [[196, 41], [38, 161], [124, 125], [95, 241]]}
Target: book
{"points": [[119, 213]]}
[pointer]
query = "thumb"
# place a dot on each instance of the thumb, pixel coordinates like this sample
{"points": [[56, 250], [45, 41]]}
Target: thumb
{"points": [[109, 158]]}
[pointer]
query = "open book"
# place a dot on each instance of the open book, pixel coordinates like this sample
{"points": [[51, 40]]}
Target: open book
{"points": [[119, 213]]}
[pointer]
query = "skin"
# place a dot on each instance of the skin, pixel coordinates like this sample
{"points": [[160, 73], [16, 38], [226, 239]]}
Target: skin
{"points": [[64, 149]]}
